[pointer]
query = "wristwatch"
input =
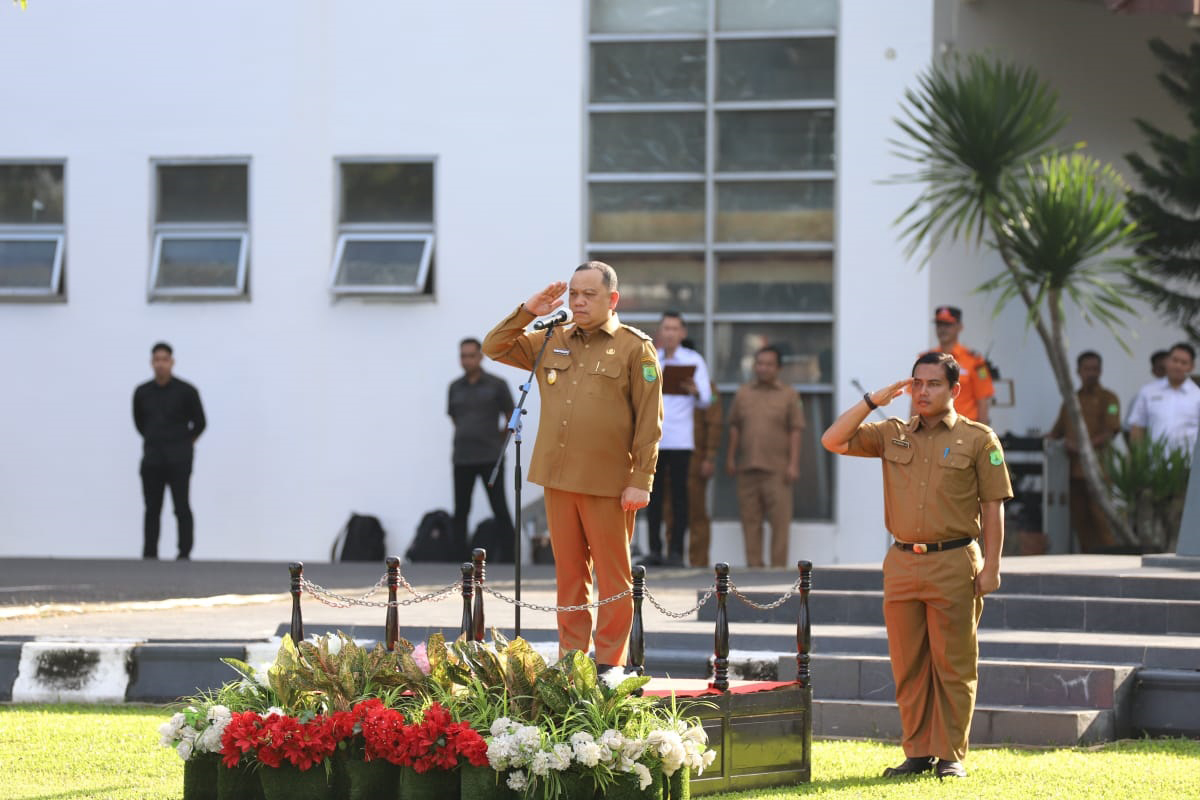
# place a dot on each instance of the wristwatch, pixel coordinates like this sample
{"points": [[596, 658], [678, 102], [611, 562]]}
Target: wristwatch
{"points": [[870, 403]]}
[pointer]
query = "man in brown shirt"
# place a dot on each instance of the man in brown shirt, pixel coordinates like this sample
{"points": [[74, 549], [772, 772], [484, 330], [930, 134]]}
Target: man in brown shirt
{"points": [[944, 487], [596, 447], [764, 454], [1102, 416]]}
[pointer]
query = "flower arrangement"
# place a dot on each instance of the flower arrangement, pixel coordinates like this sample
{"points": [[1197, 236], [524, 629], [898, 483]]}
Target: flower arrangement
{"points": [[274, 738], [194, 731]]}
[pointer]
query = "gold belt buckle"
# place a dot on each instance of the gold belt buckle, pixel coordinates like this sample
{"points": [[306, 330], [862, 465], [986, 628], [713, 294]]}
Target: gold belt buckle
{"points": [[918, 547]]}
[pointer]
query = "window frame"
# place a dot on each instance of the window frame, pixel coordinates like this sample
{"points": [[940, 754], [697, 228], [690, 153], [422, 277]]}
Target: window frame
{"points": [[712, 178], [33, 231], [228, 229], [347, 232]]}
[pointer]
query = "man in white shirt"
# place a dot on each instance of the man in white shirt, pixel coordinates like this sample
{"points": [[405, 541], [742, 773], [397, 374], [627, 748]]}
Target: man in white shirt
{"points": [[678, 439], [1169, 408]]}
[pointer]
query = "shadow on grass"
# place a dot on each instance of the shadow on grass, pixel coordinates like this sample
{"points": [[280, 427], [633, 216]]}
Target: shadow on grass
{"points": [[91, 791]]}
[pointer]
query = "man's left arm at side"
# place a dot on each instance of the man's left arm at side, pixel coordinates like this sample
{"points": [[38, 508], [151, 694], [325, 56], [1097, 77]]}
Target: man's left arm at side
{"points": [[994, 488], [646, 399], [196, 415]]}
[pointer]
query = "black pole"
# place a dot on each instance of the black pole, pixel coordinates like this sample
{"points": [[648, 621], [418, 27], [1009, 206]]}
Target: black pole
{"points": [[479, 572], [391, 625], [514, 432], [721, 634], [468, 574], [637, 632], [804, 628], [296, 568]]}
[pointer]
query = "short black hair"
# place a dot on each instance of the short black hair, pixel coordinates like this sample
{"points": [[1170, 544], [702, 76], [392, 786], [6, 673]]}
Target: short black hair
{"points": [[673, 314], [770, 348], [945, 359], [1086, 354], [471, 340], [1185, 347], [607, 273], [1158, 355], [162, 346]]}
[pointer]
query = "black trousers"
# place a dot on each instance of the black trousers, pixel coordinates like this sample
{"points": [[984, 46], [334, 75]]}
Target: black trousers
{"points": [[464, 486], [155, 478], [670, 475]]}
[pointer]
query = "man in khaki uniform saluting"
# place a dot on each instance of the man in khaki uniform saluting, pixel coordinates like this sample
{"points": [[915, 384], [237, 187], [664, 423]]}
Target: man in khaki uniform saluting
{"points": [[596, 448], [944, 485]]}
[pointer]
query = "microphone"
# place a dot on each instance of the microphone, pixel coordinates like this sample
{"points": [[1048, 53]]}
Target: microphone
{"points": [[549, 322]]}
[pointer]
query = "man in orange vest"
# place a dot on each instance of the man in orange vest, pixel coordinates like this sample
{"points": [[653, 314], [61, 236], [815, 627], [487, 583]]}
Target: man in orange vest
{"points": [[976, 379]]}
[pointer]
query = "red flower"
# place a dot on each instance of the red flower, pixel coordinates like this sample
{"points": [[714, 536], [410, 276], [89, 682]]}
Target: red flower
{"points": [[276, 738]]}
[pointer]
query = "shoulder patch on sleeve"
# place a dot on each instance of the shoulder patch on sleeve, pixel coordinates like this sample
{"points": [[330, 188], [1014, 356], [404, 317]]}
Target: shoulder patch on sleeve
{"points": [[996, 457], [649, 371], [1113, 408]]}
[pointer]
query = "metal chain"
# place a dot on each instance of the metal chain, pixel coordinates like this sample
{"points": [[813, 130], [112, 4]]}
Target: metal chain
{"points": [[681, 614], [767, 606], [323, 595], [559, 609]]}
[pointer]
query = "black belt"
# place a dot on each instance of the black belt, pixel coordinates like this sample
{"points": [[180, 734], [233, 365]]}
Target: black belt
{"points": [[927, 547]]}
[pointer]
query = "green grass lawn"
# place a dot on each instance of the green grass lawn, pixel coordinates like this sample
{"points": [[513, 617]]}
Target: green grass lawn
{"points": [[61, 752]]}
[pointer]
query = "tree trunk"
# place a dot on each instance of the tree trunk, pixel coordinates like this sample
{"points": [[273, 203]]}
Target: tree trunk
{"points": [[1056, 351]]}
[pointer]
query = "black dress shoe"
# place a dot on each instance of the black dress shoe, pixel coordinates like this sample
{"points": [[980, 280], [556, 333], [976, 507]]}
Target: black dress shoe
{"points": [[911, 766], [950, 769]]}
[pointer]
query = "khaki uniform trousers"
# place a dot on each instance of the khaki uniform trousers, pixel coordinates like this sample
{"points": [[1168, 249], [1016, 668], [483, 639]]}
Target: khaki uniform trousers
{"points": [[585, 531], [932, 617], [699, 524], [1091, 528], [768, 495]]}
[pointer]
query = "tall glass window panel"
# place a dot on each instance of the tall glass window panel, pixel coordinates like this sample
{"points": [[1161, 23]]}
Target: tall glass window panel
{"points": [[647, 142], [31, 194], [769, 141], [775, 211], [649, 16], [193, 193], [774, 282], [387, 192], [647, 212], [742, 15], [813, 492], [30, 264], [197, 264], [655, 282], [775, 69], [384, 262], [807, 349], [648, 72]]}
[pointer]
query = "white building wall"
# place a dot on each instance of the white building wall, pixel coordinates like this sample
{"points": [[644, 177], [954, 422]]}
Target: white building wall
{"points": [[315, 408]]}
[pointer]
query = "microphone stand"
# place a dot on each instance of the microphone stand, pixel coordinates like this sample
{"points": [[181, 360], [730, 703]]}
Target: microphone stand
{"points": [[514, 433]]}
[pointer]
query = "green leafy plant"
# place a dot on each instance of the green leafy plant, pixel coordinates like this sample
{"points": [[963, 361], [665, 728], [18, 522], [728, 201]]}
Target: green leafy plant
{"points": [[1149, 480]]}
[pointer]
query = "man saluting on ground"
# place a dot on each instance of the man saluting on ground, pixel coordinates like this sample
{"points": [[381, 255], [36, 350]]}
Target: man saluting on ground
{"points": [[944, 487], [596, 448]]}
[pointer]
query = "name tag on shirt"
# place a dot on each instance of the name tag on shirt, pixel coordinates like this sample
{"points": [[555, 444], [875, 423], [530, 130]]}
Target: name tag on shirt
{"points": [[562, 352], [901, 443]]}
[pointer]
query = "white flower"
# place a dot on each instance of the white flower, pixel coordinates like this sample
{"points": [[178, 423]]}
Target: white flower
{"points": [[217, 713], [260, 674], [614, 677], [529, 738], [270, 711], [562, 757], [209, 740], [669, 746], [643, 773], [580, 738], [696, 734], [184, 749], [587, 753], [516, 781], [540, 765], [169, 731], [502, 726], [611, 739], [633, 749]]}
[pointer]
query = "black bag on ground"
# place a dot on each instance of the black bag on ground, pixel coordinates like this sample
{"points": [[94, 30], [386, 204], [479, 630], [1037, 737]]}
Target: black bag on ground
{"points": [[361, 539], [495, 539], [434, 540]]}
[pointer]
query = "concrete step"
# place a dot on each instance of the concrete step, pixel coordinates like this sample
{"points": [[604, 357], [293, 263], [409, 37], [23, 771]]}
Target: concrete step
{"points": [[1161, 585], [1060, 727], [1001, 683], [1002, 611]]}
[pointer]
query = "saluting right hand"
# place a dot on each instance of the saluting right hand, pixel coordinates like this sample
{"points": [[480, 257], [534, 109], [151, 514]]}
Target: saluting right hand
{"points": [[881, 397], [546, 300]]}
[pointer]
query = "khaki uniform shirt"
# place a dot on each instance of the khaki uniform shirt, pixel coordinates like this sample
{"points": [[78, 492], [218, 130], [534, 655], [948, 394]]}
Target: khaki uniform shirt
{"points": [[765, 416], [934, 480], [601, 403], [1101, 413], [707, 431]]}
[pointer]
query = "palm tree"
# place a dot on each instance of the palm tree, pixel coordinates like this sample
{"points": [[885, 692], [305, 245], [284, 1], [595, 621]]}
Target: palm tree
{"points": [[980, 133]]}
